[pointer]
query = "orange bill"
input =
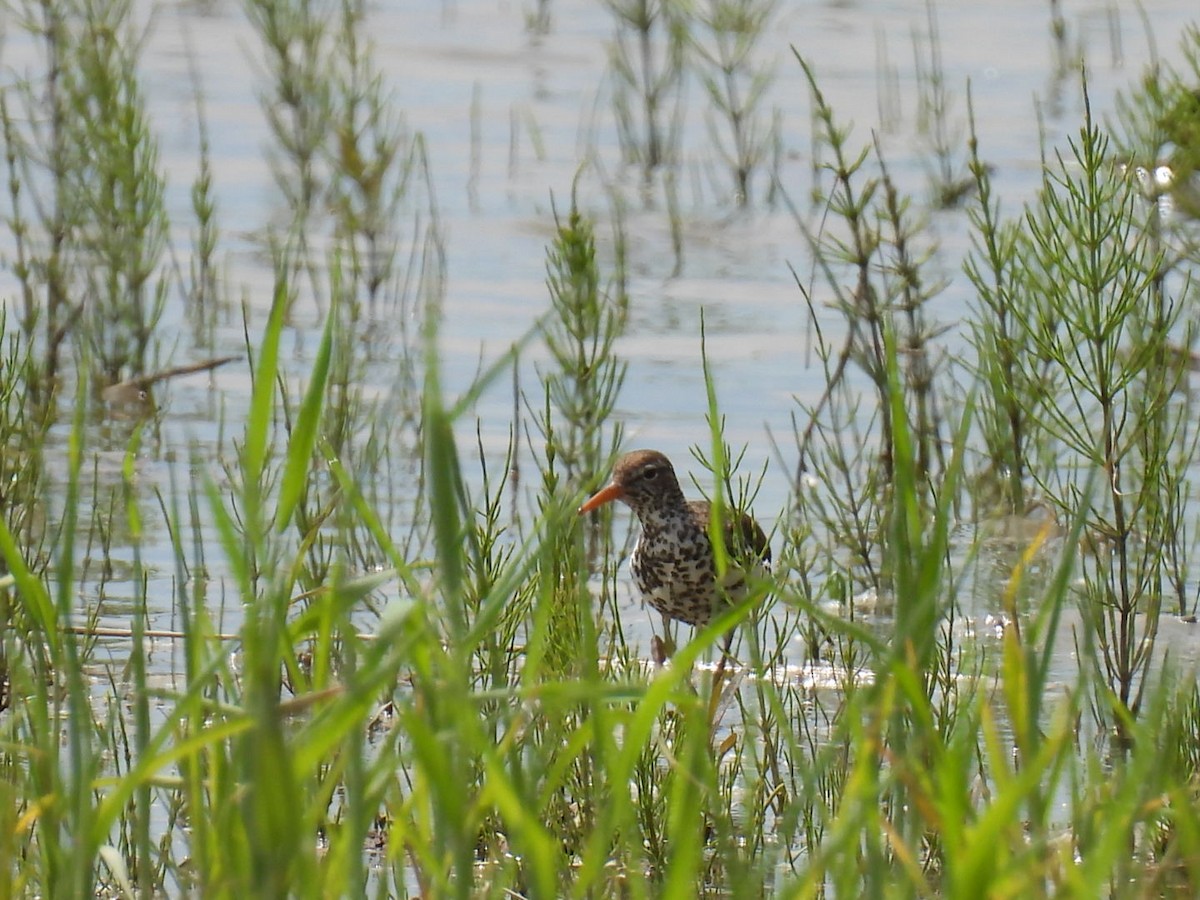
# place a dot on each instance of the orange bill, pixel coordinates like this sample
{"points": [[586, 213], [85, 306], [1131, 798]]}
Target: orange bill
{"points": [[605, 495]]}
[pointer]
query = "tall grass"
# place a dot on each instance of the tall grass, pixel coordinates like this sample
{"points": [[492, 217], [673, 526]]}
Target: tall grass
{"points": [[86, 194], [647, 58], [449, 706]]}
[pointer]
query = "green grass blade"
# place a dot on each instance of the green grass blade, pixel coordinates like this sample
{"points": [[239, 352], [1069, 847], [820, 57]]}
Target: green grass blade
{"points": [[262, 397], [308, 422]]}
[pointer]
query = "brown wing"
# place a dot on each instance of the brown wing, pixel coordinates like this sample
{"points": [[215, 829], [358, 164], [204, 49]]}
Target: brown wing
{"points": [[744, 539]]}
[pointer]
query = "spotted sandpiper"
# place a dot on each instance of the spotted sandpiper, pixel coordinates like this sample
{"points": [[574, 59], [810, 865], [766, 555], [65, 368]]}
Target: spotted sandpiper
{"points": [[672, 563]]}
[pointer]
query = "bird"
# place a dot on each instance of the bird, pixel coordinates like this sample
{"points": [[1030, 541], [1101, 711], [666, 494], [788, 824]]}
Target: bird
{"points": [[673, 564]]}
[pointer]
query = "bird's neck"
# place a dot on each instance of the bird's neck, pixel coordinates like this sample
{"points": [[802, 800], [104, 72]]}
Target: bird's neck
{"points": [[673, 515]]}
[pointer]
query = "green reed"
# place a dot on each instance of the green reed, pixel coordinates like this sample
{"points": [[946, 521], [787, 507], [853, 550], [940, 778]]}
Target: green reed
{"points": [[1100, 325], [585, 320], [86, 193], [1011, 389], [295, 40], [577, 440], [869, 255], [657, 44], [448, 707], [727, 36], [648, 58], [204, 289], [1080, 267], [43, 270], [371, 160], [942, 136]]}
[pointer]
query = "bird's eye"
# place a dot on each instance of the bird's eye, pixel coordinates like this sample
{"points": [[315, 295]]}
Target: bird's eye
{"points": [[650, 474]]}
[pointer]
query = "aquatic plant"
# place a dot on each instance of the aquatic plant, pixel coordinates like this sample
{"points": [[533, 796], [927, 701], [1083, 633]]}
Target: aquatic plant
{"points": [[444, 701], [86, 194], [727, 37], [648, 62], [948, 181], [870, 239], [1102, 318]]}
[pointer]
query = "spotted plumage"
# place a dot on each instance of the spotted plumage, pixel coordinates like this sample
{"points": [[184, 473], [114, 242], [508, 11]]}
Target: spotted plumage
{"points": [[672, 563]]}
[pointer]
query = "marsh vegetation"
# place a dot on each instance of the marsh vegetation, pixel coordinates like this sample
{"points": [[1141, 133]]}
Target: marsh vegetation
{"points": [[338, 641]]}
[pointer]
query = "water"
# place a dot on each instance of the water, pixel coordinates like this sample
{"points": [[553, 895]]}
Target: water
{"points": [[509, 119]]}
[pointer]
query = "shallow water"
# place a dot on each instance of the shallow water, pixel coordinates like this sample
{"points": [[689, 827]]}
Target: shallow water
{"points": [[540, 107]]}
